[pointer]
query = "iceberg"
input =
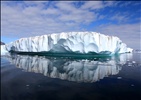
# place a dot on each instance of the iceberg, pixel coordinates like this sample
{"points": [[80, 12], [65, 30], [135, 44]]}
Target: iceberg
{"points": [[4, 51], [71, 42]]}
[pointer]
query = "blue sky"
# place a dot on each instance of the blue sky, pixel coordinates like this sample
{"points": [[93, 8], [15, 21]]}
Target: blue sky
{"points": [[31, 18]]}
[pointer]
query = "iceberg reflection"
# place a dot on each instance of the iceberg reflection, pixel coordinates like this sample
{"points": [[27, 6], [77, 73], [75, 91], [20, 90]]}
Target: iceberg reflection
{"points": [[71, 69]]}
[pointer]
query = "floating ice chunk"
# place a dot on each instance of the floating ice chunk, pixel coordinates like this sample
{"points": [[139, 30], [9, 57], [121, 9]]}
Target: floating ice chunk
{"points": [[27, 85], [119, 77]]}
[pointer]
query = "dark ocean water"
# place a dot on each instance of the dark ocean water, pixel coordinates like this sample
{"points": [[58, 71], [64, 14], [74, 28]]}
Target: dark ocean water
{"points": [[49, 78]]}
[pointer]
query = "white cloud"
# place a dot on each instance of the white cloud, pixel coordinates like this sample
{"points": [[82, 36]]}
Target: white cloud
{"points": [[28, 18], [93, 5], [128, 33], [79, 16], [50, 11], [66, 6], [120, 17]]}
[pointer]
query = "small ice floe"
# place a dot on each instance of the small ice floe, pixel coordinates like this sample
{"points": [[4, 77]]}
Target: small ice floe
{"points": [[129, 64], [133, 62], [23, 70], [119, 77], [27, 85], [132, 84]]}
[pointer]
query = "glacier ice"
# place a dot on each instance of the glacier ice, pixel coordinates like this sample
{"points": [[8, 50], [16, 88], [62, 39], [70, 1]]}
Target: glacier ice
{"points": [[80, 42], [4, 51], [71, 70]]}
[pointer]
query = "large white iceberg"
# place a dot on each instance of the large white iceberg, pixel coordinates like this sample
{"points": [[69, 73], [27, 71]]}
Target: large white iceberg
{"points": [[80, 42]]}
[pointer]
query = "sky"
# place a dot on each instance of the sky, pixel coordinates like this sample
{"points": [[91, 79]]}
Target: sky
{"points": [[21, 19]]}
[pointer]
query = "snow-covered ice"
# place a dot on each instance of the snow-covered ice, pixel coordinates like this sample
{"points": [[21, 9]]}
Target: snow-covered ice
{"points": [[81, 42]]}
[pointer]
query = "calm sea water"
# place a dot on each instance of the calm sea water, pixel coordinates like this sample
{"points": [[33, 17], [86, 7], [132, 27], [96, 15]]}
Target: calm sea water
{"points": [[49, 78]]}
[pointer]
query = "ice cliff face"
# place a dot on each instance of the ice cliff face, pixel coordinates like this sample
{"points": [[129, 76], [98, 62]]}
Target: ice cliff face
{"points": [[81, 42], [72, 70]]}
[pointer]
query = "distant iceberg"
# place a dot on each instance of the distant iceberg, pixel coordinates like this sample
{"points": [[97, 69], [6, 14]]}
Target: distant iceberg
{"points": [[137, 51], [74, 42]]}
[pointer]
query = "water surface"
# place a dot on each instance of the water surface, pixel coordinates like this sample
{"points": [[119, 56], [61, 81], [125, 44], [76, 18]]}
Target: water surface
{"points": [[26, 77]]}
